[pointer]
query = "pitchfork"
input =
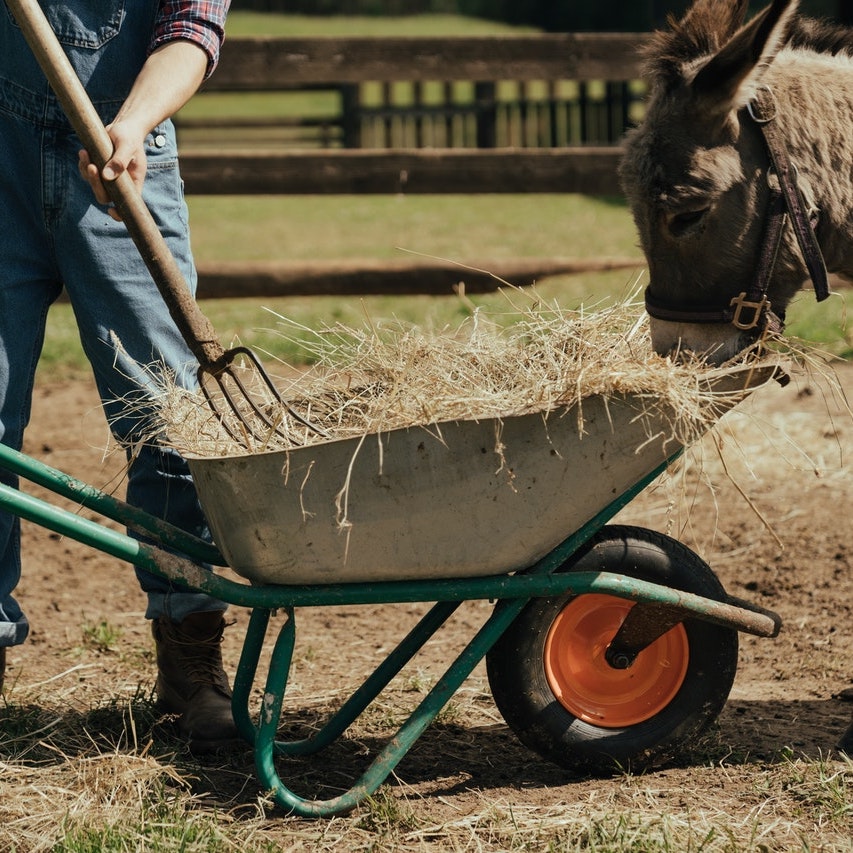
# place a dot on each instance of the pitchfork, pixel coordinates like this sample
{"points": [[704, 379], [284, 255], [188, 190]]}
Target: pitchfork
{"points": [[257, 421]]}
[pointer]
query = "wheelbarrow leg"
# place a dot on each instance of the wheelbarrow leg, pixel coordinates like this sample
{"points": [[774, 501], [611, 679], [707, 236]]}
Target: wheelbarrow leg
{"points": [[396, 748], [339, 722], [247, 670]]}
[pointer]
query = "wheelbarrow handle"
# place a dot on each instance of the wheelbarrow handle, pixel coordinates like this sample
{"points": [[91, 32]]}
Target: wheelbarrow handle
{"points": [[195, 328]]}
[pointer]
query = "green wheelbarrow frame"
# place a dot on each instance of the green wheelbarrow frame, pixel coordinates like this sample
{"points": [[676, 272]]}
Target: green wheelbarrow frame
{"points": [[178, 557]]}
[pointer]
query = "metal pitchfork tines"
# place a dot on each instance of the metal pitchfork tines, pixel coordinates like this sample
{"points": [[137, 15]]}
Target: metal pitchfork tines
{"points": [[256, 422], [262, 421]]}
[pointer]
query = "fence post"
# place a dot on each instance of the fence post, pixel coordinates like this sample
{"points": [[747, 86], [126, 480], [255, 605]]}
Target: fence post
{"points": [[351, 115], [485, 103], [420, 115], [584, 108]]}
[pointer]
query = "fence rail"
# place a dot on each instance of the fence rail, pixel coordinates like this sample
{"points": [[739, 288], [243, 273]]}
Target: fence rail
{"points": [[270, 63], [221, 280], [591, 171]]}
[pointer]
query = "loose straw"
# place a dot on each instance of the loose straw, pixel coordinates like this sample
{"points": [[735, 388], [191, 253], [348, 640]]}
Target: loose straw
{"points": [[391, 375]]}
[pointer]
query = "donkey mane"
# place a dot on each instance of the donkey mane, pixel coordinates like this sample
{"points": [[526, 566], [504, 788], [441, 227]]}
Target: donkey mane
{"points": [[708, 26]]}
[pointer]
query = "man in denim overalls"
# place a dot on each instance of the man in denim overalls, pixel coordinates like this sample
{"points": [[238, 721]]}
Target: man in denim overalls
{"points": [[140, 60]]}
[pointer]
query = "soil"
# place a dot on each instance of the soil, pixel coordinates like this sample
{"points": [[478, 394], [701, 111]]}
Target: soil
{"points": [[772, 519]]}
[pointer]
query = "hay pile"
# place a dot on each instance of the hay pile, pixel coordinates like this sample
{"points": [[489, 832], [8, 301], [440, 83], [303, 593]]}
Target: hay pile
{"points": [[388, 376]]}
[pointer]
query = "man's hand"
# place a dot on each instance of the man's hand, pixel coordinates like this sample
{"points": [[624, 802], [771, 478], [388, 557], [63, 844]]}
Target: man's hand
{"points": [[128, 156]]}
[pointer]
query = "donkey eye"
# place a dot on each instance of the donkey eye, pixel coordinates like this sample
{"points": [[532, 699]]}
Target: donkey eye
{"points": [[680, 223]]}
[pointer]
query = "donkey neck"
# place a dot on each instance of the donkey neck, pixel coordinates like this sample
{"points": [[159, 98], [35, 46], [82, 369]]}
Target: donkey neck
{"points": [[815, 109]]}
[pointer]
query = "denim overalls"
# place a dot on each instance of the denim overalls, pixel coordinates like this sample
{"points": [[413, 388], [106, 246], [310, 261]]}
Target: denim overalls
{"points": [[54, 234]]}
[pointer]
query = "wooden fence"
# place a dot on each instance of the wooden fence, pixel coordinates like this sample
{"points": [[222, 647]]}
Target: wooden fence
{"points": [[546, 153]]}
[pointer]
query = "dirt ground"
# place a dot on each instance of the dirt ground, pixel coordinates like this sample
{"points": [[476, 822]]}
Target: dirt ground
{"points": [[773, 520]]}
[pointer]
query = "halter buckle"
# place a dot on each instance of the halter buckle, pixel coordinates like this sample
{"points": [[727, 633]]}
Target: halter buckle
{"points": [[741, 303]]}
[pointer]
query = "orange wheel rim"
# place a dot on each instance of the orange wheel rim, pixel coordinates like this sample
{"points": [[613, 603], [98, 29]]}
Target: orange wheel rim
{"points": [[588, 687]]}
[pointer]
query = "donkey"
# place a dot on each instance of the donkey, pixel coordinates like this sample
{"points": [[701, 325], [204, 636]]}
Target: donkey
{"points": [[740, 177]]}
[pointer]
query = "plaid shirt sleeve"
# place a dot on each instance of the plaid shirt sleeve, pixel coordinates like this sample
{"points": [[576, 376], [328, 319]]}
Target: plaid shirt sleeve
{"points": [[199, 21]]}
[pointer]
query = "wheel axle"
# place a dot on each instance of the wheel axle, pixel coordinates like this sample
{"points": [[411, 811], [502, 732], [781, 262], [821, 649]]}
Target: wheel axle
{"points": [[619, 660]]}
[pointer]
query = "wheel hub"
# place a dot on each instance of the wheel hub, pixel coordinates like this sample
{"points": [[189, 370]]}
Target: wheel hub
{"points": [[611, 693]]}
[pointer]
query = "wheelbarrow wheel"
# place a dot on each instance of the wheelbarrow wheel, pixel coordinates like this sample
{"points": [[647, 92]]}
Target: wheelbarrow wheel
{"points": [[557, 692]]}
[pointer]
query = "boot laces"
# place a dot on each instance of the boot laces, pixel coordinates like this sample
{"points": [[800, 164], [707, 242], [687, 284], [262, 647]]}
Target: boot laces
{"points": [[200, 657]]}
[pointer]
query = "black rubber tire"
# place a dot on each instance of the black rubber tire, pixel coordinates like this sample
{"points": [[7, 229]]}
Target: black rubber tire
{"points": [[519, 684]]}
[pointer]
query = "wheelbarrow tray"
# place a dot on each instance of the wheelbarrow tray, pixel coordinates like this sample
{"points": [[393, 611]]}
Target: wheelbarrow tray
{"points": [[455, 499]]}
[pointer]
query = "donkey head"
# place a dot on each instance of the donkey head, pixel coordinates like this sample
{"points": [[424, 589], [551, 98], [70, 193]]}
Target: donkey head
{"points": [[695, 170]]}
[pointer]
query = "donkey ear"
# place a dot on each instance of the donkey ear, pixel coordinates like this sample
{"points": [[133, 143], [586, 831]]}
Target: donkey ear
{"points": [[726, 82]]}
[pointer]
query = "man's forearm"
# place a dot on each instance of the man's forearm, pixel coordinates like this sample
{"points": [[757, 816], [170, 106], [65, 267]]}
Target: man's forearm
{"points": [[170, 77]]}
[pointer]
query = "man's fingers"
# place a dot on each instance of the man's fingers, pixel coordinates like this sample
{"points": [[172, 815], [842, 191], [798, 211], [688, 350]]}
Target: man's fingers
{"points": [[116, 165], [126, 157], [89, 171]]}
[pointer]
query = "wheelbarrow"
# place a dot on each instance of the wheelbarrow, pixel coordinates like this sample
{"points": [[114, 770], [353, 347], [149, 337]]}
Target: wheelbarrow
{"points": [[607, 646]]}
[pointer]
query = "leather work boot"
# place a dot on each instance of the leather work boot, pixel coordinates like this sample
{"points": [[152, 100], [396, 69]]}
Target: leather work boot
{"points": [[191, 681]]}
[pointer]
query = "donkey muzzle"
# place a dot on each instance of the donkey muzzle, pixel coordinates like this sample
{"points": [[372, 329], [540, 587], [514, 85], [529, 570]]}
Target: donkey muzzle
{"points": [[713, 343]]}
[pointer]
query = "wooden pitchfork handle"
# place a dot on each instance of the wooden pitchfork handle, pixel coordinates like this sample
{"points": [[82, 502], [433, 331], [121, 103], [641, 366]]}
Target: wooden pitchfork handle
{"points": [[195, 328]]}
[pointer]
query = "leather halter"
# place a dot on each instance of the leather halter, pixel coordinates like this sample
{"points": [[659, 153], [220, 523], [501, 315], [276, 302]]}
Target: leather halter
{"points": [[750, 310]]}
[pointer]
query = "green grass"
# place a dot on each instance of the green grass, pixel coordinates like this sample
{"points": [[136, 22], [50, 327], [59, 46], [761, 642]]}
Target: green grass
{"points": [[457, 228], [824, 324], [100, 636], [454, 227], [254, 322]]}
